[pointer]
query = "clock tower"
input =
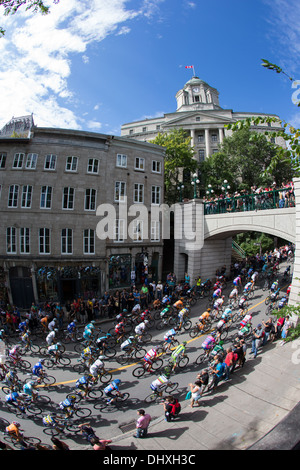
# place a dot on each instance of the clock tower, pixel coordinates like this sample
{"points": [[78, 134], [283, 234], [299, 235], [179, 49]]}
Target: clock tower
{"points": [[197, 95]]}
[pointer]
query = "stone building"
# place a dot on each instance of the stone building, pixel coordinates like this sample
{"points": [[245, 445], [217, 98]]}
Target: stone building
{"points": [[55, 187], [200, 114]]}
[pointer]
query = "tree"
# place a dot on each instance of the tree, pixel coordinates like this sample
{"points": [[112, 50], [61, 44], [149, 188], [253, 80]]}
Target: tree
{"points": [[12, 6], [179, 162], [242, 160]]}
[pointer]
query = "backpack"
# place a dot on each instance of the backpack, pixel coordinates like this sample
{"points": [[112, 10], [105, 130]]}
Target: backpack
{"points": [[176, 408]]}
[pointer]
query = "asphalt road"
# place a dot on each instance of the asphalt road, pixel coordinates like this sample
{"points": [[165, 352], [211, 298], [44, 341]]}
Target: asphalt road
{"points": [[112, 421]]}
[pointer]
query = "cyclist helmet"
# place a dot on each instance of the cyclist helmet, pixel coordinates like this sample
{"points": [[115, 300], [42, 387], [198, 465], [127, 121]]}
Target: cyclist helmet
{"points": [[184, 342], [72, 398], [146, 321], [125, 310], [117, 381], [167, 371], [209, 309], [221, 343], [16, 424]]}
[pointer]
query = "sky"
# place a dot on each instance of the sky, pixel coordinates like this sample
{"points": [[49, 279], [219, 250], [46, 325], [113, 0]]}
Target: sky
{"points": [[94, 65]]}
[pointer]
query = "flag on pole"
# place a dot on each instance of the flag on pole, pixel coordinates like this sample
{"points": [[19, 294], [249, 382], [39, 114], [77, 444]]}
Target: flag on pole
{"points": [[189, 66]]}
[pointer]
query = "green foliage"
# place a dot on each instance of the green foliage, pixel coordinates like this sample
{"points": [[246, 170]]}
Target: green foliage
{"points": [[243, 159], [12, 6], [253, 242], [179, 161]]}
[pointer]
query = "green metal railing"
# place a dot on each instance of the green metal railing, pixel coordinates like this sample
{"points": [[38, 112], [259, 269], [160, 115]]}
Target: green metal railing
{"points": [[250, 202]]}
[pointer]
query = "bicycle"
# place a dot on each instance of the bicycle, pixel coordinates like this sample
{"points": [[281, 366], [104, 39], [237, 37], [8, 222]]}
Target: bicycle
{"points": [[156, 395], [135, 354], [60, 426], [143, 369], [23, 441], [104, 377], [63, 361], [109, 405], [18, 363], [164, 349], [181, 363]]}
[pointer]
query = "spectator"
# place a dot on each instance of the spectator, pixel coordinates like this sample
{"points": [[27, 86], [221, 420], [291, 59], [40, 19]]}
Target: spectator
{"points": [[142, 424], [256, 339], [196, 392], [100, 444], [171, 407]]}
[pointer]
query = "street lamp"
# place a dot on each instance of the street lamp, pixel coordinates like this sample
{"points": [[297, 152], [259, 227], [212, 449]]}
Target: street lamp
{"points": [[194, 183], [225, 186], [180, 189], [210, 190]]}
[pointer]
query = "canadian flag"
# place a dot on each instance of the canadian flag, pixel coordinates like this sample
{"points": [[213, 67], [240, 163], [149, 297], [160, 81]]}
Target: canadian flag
{"points": [[189, 66]]}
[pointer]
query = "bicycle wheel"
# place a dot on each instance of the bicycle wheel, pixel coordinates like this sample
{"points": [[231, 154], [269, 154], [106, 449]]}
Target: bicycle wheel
{"points": [[267, 300], [187, 325], [64, 361], [49, 380], [72, 428], [153, 397], [83, 412], [146, 338], [95, 394], [43, 400], [106, 377], [161, 325], [138, 372], [80, 368], [183, 362], [48, 363], [110, 352], [6, 390], [194, 332], [3, 424], [201, 358], [52, 432], [224, 334], [157, 364], [171, 387], [139, 353], [34, 409], [123, 398]]}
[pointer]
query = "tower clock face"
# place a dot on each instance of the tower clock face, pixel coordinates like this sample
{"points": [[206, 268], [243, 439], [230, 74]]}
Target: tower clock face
{"points": [[196, 90]]}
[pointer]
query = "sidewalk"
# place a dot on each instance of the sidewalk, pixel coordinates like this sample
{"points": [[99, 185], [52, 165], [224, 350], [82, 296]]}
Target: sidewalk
{"points": [[242, 413]]}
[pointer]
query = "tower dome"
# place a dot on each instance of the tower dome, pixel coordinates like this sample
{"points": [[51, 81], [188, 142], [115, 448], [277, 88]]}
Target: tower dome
{"points": [[197, 94]]}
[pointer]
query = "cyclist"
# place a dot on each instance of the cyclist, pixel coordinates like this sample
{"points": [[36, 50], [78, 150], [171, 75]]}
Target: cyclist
{"points": [[11, 379], [14, 430], [102, 343], [282, 302], [218, 304], [15, 399], [168, 338], [178, 304], [217, 293], [87, 355], [38, 370], [254, 277], [67, 406], [110, 389], [243, 302], [28, 389], [149, 358], [208, 344], [83, 385], [234, 294], [15, 353], [52, 325], [158, 384], [120, 330], [52, 421], [274, 286], [25, 338], [237, 282], [178, 354], [140, 329], [87, 334], [182, 316], [23, 326], [53, 350], [51, 337], [72, 328], [96, 368]]}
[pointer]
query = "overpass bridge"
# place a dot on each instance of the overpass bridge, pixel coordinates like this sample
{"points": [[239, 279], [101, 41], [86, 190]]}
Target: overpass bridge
{"points": [[206, 243]]}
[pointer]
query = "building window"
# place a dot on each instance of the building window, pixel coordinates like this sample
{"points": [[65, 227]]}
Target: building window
{"points": [[13, 194], [71, 163], [197, 118], [24, 240], [89, 241], [121, 160], [144, 129], [130, 131], [44, 241], [26, 197], [50, 162], [119, 230], [68, 198], [46, 197], [200, 138], [2, 160], [155, 195], [196, 99], [139, 164], [201, 155], [11, 246], [66, 241], [93, 165], [90, 200], [214, 138], [155, 230], [158, 127], [120, 191], [156, 166], [138, 193], [18, 160], [137, 234], [31, 161]]}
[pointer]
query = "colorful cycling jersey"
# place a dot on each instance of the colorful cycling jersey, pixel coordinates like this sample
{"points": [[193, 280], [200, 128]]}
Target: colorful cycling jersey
{"points": [[178, 304], [178, 351], [65, 404], [245, 320], [234, 293], [217, 293], [27, 388], [82, 381], [165, 311], [209, 342], [150, 355], [183, 312], [87, 334], [71, 327], [98, 364], [13, 396], [22, 326], [165, 300], [274, 286], [220, 324], [237, 280], [282, 302], [126, 344], [242, 301], [53, 348], [50, 337], [217, 349], [86, 353], [169, 334], [140, 328], [161, 380], [12, 428], [218, 303], [37, 368], [119, 327], [248, 286], [49, 420], [226, 314], [111, 387]]}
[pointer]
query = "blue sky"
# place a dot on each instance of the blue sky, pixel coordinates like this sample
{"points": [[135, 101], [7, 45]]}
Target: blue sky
{"points": [[97, 64]]}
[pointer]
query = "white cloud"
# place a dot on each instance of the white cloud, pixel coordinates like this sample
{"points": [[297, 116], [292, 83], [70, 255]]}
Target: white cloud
{"points": [[37, 53], [94, 125]]}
